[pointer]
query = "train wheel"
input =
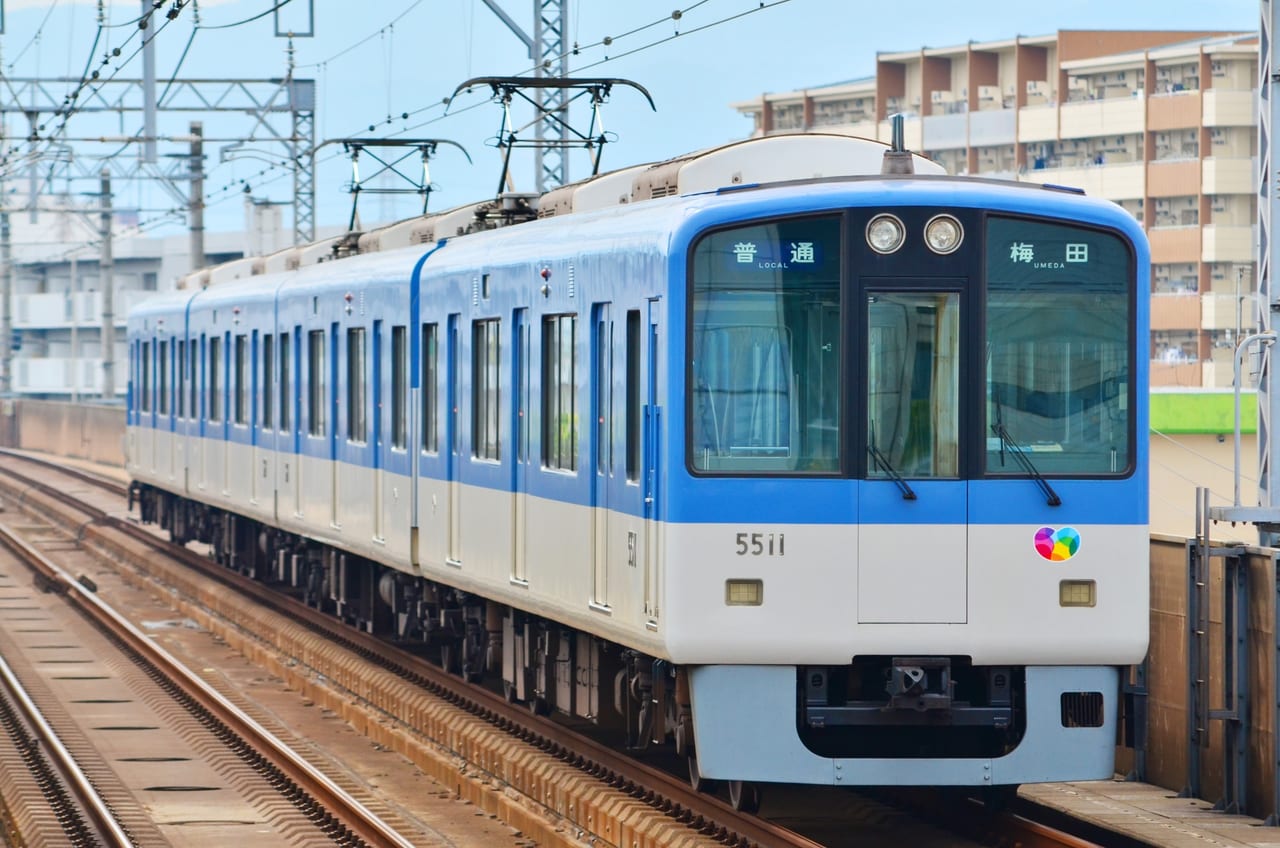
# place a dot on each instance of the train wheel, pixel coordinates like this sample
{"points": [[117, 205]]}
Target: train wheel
{"points": [[744, 796], [697, 781]]}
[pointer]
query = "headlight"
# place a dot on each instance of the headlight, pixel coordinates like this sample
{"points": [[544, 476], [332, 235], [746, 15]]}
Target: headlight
{"points": [[885, 234], [943, 234]]}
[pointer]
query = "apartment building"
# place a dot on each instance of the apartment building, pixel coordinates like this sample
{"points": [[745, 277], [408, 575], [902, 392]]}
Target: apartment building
{"points": [[57, 302], [1162, 123]]}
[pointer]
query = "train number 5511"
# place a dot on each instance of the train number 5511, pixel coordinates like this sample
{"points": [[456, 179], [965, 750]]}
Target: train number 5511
{"points": [[762, 544]]}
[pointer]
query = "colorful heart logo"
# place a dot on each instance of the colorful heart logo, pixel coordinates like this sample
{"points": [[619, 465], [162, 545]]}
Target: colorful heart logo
{"points": [[1057, 545]]}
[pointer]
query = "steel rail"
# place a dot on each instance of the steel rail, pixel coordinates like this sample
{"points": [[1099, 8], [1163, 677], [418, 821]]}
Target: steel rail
{"points": [[354, 815], [76, 780]]}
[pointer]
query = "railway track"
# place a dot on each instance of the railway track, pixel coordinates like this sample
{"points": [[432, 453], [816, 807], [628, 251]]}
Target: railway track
{"points": [[591, 790], [311, 792]]}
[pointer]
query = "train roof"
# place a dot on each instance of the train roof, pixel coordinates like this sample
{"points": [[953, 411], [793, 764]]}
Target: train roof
{"points": [[817, 161]]}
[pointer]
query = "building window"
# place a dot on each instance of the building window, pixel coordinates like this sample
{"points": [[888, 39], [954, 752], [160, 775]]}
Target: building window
{"points": [[399, 387], [484, 389], [430, 373], [315, 384], [559, 406], [356, 427]]}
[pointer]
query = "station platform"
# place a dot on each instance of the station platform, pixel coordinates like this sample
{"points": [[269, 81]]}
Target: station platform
{"points": [[1151, 815]]}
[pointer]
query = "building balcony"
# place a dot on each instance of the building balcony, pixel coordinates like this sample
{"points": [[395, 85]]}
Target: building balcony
{"points": [[1173, 111], [53, 311], [1125, 181], [1218, 375], [1173, 178], [1113, 116], [1225, 243], [1038, 123], [1175, 373], [1225, 175], [946, 132], [1176, 244], [1226, 311], [993, 128], [64, 376], [1227, 107], [1175, 311]]}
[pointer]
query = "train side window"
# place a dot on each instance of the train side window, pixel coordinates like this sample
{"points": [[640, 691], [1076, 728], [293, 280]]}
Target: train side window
{"points": [[633, 395], [430, 390], [179, 375], [399, 387], [764, 375], [315, 384], [215, 378], [268, 368], [162, 378], [242, 379], [357, 430], [559, 386], [193, 385], [144, 380], [485, 395], [285, 365]]}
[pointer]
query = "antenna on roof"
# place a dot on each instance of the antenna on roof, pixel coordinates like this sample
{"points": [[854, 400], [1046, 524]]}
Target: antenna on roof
{"points": [[897, 159]]}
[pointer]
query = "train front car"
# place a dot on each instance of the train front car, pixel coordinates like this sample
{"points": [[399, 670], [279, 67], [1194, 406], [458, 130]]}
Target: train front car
{"points": [[908, 543]]}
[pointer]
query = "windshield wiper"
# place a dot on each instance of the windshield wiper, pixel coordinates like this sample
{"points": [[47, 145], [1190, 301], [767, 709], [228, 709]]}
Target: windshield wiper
{"points": [[1006, 440], [887, 467]]}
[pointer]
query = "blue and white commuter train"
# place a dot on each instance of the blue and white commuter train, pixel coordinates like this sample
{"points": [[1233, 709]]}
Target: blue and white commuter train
{"points": [[833, 480]]}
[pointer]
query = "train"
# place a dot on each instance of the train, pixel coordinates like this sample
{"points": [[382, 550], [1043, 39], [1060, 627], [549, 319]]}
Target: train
{"points": [[797, 457]]}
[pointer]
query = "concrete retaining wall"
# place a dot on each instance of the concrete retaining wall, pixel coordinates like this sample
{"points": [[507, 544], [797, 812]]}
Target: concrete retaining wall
{"points": [[81, 430]]}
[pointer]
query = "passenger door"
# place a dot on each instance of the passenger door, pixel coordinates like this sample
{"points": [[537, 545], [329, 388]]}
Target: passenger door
{"points": [[520, 427], [602, 450], [453, 444], [652, 447], [912, 505]]}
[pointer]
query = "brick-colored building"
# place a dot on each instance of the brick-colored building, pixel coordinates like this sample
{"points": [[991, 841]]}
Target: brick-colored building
{"points": [[1162, 123]]}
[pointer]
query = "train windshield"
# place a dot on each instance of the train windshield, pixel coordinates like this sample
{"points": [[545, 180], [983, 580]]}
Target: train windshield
{"points": [[766, 361], [1058, 342]]}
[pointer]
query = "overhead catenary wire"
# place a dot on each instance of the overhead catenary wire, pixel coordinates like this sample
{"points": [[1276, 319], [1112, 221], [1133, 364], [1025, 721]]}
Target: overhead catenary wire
{"points": [[218, 195]]}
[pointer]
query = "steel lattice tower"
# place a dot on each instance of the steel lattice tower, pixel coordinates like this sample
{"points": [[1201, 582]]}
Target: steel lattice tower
{"points": [[551, 19]]}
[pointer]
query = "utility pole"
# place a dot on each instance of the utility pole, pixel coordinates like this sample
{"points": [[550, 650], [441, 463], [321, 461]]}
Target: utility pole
{"points": [[148, 87], [1266, 515], [6, 301], [108, 286], [196, 203], [75, 323]]}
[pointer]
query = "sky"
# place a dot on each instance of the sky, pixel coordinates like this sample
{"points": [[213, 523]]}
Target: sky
{"points": [[376, 61]]}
